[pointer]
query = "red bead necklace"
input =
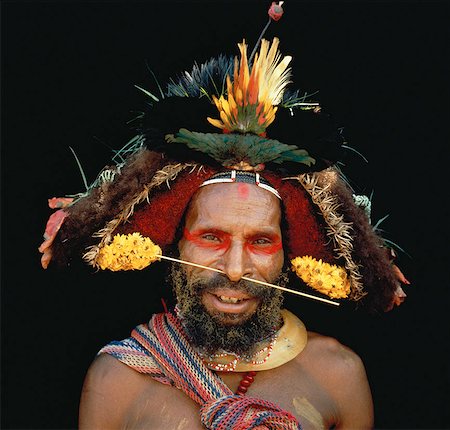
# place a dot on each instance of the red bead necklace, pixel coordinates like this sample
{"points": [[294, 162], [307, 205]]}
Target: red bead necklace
{"points": [[246, 381]]}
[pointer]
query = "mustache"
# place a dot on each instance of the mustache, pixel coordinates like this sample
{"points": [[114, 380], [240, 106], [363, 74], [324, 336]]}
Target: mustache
{"points": [[221, 281]]}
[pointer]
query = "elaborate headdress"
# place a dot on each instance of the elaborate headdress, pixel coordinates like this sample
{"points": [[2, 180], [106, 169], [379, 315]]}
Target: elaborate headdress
{"points": [[231, 119]]}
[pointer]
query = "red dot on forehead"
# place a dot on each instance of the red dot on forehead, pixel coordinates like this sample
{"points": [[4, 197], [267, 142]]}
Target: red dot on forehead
{"points": [[243, 190]]}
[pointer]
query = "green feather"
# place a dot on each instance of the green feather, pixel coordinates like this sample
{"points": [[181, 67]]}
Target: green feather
{"points": [[234, 148]]}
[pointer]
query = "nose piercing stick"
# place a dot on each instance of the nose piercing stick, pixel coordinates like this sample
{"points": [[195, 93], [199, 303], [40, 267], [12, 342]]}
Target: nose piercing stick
{"points": [[267, 284]]}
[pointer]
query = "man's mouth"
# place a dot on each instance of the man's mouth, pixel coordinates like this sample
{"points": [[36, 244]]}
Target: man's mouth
{"points": [[226, 299]]}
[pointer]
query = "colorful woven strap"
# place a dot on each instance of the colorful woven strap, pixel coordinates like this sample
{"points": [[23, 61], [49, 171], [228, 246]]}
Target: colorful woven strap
{"points": [[131, 353], [242, 413], [161, 350]]}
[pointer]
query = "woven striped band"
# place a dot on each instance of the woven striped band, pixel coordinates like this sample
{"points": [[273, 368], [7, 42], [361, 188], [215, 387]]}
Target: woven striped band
{"points": [[161, 350], [243, 177]]}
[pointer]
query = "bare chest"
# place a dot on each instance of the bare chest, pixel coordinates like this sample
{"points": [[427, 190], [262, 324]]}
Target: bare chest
{"points": [[165, 407]]}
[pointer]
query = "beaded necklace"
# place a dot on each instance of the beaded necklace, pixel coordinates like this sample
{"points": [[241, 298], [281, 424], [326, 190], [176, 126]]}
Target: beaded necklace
{"points": [[231, 366], [246, 381], [284, 345], [249, 376]]}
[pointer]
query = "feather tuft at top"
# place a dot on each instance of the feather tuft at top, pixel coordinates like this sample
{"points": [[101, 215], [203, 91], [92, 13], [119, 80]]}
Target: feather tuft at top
{"points": [[252, 96]]}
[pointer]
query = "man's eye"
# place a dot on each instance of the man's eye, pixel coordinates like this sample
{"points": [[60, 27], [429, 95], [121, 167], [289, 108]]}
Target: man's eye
{"points": [[210, 237], [262, 241]]}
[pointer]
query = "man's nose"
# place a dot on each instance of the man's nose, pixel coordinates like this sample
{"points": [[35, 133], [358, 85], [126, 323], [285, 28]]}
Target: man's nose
{"points": [[236, 262]]}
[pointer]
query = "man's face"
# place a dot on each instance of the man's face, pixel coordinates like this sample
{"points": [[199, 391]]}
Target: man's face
{"points": [[234, 228]]}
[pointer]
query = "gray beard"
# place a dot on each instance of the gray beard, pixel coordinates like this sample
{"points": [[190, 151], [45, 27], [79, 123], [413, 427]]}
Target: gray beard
{"points": [[213, 333]]}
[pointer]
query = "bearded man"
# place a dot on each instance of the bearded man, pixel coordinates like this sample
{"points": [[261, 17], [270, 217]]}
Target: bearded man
{"points": [[242, 211], [235, 228]]}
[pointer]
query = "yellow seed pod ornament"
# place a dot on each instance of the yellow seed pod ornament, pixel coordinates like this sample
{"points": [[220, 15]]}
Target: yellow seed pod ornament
{"points": [[128, 252], [328, 279]]}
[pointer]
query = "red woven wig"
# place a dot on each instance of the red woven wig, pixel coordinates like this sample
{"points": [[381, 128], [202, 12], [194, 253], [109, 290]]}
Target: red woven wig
{"points": [[160, 219]]}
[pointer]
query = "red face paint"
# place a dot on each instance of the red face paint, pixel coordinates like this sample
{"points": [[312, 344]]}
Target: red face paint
{"points": [[243, 190], [212, 239], [270, 248]]}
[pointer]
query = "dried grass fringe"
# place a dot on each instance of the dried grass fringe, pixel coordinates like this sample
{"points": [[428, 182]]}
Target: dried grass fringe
{"points": [[337, 229], [165, 175]]}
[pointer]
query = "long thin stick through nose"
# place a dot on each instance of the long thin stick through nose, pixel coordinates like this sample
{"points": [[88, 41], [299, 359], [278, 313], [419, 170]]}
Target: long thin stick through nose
{"points": [[267, 284]]}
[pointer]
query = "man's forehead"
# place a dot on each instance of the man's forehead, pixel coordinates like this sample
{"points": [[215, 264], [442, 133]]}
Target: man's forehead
{"points": [[238, 191], [222, 200], [243, 191], [242, 177]]}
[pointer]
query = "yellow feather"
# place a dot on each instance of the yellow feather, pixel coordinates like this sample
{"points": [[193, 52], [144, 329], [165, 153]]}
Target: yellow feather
{"points": [[270, 116], [236, 69], [239, 96], [267, 106], [272, 80], [215, 122], [229, 86], [226, 107], [217, 102], [269, 75], [279, 79], [225, 119], [233, 105], [243, 72]]}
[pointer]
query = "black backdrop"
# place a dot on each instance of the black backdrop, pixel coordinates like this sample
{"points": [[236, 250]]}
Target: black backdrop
{"points": [[68, 76]]}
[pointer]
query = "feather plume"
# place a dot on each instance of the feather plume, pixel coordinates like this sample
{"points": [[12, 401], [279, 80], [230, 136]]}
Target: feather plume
{"points": [[250, 103]]}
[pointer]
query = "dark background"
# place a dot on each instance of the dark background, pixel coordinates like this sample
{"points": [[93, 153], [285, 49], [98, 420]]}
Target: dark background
{"points": [[68, 76]]}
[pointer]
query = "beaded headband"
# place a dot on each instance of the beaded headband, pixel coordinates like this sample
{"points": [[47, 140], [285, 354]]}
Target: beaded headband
{"points": [[242, 177]]}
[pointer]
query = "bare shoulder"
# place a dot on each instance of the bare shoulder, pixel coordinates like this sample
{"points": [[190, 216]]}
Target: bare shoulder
{"points": [[109, 389], [341, 371], [106, 371], [115, 396], [333, 356], [108, 376]]}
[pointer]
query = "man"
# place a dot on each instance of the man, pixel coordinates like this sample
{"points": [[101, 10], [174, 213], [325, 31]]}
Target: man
{"points": [[238, 225], [244, 211]]}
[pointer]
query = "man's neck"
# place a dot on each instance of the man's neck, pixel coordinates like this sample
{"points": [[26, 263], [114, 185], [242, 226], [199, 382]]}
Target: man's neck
{"points": [[284, 346]]}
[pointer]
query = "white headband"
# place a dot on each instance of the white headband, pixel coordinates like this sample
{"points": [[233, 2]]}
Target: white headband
{"points": [[243, 177]]}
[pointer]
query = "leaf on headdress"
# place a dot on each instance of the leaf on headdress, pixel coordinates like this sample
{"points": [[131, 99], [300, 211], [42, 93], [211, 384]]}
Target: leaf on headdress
{"points": [[295, 156], [230, 149]]}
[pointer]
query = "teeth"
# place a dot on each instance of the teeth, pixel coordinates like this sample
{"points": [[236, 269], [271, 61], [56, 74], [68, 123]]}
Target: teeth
{"points": [[229, 299]]}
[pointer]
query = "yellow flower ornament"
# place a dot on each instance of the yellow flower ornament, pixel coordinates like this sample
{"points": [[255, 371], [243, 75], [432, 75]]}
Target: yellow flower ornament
{"points": [[128, 252], [328, 279]]}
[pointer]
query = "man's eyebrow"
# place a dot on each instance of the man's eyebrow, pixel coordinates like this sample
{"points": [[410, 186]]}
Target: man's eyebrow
{"points": [[269, 234], [195, 237], [203, 230]]}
